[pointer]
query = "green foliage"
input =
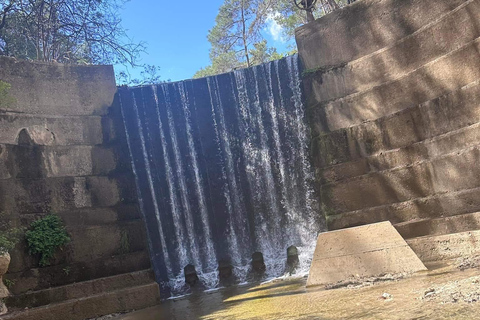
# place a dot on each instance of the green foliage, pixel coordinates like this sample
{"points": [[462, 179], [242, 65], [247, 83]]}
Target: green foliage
{"points": [[45, 236], [5, 99], [67, 31], [66, 270], [9, 283], [148, 75], [124, 242], [9, 236], [261, 53], [289, 17], [222, 63], [236, 39], [8, 239]]}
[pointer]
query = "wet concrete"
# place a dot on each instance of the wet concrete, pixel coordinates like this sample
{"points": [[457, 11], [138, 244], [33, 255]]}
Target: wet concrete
{"points": [[291, 300]]}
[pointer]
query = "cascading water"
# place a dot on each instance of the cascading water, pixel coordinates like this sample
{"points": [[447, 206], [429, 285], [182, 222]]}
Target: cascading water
{"points": [[222, 171]]}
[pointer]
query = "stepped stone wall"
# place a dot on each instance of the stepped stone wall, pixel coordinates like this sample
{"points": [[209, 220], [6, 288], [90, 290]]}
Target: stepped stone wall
{"points": [[393, 94], [63, 151]]}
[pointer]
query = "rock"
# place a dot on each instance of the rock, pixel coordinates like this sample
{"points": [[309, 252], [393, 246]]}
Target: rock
{"points": [[4, 262], [387, 296], [3, 308], [429, 292]]}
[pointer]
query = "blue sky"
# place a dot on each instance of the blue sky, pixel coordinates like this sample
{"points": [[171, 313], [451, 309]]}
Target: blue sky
{"points": [[176, 34]]}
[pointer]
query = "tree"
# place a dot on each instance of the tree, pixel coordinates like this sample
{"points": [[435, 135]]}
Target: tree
{"points": [[236, 38], [221, 63], [290, 17], [67, 31], [261, 53]]}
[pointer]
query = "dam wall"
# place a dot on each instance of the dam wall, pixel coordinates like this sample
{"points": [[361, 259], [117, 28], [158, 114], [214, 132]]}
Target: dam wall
{"points": [[62, 152], [393, 99]]}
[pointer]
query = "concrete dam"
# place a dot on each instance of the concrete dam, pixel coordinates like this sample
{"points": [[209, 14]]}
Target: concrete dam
{"points": [[222, 171]]}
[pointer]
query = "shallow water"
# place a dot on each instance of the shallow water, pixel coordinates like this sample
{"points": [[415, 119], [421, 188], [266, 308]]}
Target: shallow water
{"points": [[289, 299]]}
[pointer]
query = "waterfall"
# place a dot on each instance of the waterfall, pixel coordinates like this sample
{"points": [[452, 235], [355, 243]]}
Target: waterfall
{"points": [[222, 171]]}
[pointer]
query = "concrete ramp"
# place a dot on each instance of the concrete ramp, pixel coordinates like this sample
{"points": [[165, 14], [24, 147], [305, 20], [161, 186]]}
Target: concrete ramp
{"points": [[364, 251]]}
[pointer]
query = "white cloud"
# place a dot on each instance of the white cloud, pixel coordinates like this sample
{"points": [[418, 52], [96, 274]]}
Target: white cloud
{"points": [[273, 28]]}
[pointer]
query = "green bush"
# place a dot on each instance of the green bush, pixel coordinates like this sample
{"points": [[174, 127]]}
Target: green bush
{"points": [[9, 236], [45, 236], [8, 240], [5, 99]]}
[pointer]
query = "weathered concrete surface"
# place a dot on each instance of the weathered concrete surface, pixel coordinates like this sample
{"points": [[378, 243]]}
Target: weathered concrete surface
{"points": [[446, 247], [364, 251], [128, 298], [436, 206], [56, 161], [55, 89], [443, 35], [365, 27], [68, 130], [79, 290], [448, 73], [37, 279], [439, 226], [63, 151], [393, 97]]}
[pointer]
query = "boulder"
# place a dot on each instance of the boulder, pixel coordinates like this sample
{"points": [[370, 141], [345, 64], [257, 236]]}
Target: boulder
{"points": [[4, 262]]}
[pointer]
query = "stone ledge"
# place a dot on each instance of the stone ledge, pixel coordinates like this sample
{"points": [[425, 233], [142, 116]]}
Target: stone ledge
{"points": [[450, 112], [54, 276], [436, 39], [452, 172], [439, 226], [365, 27], [79, 290], [37, 162], [127, 299], [68, 130], [443, 204], [446, 247], [453, 141], [58, 89], [65, 193], [448, 73]]}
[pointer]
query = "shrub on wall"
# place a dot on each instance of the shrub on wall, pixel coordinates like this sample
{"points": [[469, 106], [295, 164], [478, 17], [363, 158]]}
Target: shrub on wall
{"points": [[5, 98], [45, 237], [9, 236]]}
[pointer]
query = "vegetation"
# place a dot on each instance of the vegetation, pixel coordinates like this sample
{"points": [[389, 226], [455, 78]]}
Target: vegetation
{"points": [[67, 31], [124, 242], [45, 236], [8, 240], [5, 98], [71, 31], [237, 39], [9, 236], [9, 283]]}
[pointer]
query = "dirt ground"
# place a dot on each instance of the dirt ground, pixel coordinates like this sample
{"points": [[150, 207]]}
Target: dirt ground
{"points": [[445, 292]]}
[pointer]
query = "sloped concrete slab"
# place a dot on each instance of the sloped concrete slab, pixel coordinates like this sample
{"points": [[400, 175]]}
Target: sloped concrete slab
{"points": [[364, 251]]}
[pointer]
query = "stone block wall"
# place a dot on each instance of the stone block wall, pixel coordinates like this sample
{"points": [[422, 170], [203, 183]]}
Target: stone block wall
{"points": [[393, 91], [63, 151]]}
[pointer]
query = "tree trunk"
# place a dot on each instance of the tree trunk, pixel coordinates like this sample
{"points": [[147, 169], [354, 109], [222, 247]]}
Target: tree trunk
{"points": [[244, 36], [310, 16]]}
